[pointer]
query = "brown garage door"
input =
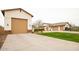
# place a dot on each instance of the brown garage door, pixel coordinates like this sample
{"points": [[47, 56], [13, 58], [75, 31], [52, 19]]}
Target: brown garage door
{"points": [[19, 25], [61, 28], [55, 28]]}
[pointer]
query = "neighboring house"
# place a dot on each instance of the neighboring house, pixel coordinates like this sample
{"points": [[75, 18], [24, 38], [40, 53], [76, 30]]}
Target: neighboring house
{"points": [[16, 20], [62, 26], [46, 26]]}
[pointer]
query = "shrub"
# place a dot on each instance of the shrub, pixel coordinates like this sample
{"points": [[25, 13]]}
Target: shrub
{"points": [[2, 30]]}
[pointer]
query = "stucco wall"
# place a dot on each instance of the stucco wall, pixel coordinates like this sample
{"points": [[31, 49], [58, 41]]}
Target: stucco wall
{"points": [[16, 14]]}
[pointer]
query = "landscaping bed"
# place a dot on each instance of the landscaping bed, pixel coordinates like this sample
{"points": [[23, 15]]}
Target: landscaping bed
{"points": [[61, 35], [2, 39]]}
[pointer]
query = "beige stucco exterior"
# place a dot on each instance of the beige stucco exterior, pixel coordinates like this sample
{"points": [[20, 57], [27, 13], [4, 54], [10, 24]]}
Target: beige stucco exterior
{"points": [[15, 14]]}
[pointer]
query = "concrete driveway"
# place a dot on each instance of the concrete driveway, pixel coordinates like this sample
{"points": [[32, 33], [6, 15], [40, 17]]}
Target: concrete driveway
{"points": [[33, 42]]}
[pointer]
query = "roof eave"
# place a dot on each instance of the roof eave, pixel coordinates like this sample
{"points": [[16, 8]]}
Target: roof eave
{"points": [[17, 9]]}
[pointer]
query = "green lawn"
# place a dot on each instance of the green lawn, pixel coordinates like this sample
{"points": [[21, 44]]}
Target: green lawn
{"points": [[62, 35]]}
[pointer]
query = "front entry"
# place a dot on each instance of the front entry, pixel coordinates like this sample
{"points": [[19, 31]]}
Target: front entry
{"points": [[19, 25]]}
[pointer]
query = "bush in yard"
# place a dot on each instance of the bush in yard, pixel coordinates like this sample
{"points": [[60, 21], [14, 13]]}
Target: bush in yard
{"points": [[2, 30], [75, 28], [67, 29]]}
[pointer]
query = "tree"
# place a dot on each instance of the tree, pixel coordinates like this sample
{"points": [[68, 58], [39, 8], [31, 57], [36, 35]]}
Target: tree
{"points": [[37, 26]]}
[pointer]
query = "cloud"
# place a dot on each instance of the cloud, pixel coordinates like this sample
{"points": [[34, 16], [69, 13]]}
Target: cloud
{"points": [[46, 10]]}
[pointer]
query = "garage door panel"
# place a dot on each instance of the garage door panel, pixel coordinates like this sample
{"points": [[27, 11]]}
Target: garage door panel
{"points": [[55, 28], [61, 28], [19, 26]]}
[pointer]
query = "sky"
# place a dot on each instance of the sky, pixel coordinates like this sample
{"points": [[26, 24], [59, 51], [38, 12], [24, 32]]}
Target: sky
{"points": [[45, 10]]}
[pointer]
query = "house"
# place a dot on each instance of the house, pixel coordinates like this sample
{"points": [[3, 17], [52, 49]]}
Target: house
{"points": [[62, 26], [16, 20]]}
